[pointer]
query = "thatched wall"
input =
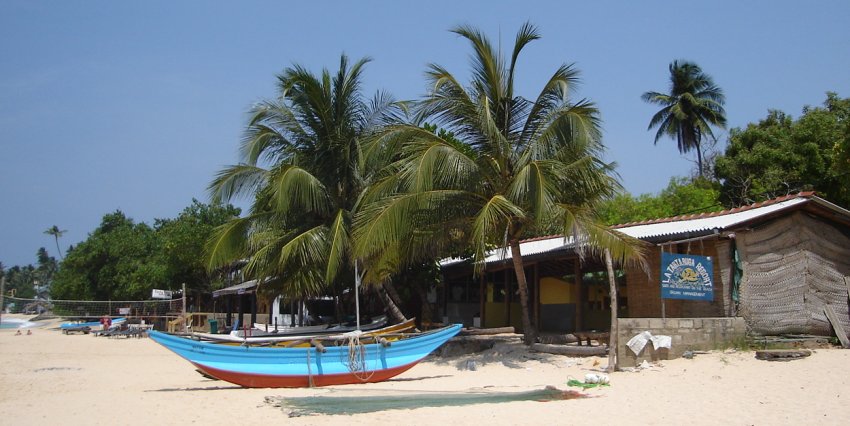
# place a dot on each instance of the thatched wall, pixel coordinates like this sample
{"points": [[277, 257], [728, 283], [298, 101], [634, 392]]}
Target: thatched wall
{"points": [[793, 267]]}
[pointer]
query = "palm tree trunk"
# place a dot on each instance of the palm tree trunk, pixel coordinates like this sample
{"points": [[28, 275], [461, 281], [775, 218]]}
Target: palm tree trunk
{"points": [[699, 158], [392, 307], [530, 334], [391, 291], [612, 336], [58, 250]]}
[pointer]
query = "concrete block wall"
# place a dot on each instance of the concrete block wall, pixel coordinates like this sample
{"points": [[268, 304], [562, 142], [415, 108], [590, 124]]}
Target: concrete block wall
{"points": [[687, 334]]}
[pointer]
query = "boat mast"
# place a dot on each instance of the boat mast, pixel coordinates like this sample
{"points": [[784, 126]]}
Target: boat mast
{"points": [[357, 292]]}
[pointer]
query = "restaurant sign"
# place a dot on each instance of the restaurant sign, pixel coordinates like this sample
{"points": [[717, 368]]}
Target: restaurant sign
{"points": [[161, 294], [685, 276]]}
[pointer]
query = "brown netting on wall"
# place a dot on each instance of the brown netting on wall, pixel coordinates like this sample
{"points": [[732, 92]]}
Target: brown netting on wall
{"points": [[793, 267]]}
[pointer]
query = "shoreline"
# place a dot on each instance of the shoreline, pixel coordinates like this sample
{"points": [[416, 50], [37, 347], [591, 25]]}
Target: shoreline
{"points": [[51, 378]]}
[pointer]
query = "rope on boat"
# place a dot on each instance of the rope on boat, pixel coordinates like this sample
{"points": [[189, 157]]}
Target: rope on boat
{"points": [[309, 370], [357, 356]]}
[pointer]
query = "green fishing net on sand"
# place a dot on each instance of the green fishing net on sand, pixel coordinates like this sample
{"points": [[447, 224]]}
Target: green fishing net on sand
{"points": [[311, 405]]}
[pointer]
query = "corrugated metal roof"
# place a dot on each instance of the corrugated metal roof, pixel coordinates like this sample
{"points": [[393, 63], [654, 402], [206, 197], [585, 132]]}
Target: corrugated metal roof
{"points": [[705, 224], [527, 248], [246, 287]]}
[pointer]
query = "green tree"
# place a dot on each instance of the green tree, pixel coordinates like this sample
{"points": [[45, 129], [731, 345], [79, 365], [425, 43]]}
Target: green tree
{"points": [[31, 281], [692, 106], [682, 196], [512, 167], [20, 281], [779, 155], [298, 229], [182, 243], [47, 267], [56, 233], [117, 261], [841, 151]]}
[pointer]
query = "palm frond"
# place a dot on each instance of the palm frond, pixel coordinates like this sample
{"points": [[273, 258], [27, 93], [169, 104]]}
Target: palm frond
{"points": [[494, 218], [294, 188], [339, 244], [238, 180], [431, 162], [448, 104], [535, 189], [228, 243], [387, 222], [657, 98], [487, 65], [555, 93], [526, 34], [590, 235], [567, 128]]}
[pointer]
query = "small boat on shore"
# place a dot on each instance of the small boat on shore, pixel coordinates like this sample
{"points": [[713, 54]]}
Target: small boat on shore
{"points": [[263, 330], [282, 339], [350, 361], [80, 324]]}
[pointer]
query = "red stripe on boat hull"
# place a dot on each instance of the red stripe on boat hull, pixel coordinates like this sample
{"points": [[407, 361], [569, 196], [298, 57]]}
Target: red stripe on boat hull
{"points": [[268, 381]]}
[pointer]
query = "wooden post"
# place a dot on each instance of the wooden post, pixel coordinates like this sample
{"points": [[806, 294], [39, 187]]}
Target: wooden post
{"points": [[836, 326], [612, 339], [185, 325], [318, 345], [579, 295], [228, 318], [537, 295], [507, 299], [357, 279], [482, 299], [2, 293], [663, 306], [253, 308]]}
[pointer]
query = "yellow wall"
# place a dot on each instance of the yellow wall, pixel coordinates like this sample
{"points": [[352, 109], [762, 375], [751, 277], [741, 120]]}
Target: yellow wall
{"points": [[494, 314], [555, 291]]}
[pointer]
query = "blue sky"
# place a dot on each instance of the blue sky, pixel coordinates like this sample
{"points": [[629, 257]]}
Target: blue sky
{"points": [[109, 105]]}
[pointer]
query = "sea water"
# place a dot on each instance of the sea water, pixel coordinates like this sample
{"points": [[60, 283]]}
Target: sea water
{"points": [[16, 323]]}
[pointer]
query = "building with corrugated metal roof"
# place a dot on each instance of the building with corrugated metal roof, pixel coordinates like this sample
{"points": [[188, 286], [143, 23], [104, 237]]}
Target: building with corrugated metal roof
{"points": [[776, 264]]}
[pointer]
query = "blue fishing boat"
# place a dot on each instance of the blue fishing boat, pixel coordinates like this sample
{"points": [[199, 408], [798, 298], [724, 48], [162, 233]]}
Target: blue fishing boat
{"points": [[78, 324], [349, 361]]}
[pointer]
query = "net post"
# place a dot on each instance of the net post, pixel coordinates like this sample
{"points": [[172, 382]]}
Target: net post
{"points": [[185, 325], [2, 293]]}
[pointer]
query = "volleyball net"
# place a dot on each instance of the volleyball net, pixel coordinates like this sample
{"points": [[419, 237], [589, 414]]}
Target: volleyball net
{"points": [[93, 308]]}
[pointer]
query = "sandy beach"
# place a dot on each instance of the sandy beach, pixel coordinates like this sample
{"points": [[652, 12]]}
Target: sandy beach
{"points": [[51, 378]]}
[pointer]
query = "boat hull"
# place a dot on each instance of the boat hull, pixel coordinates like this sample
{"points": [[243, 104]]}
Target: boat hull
{"points": [[348, 363], [251, 380]]}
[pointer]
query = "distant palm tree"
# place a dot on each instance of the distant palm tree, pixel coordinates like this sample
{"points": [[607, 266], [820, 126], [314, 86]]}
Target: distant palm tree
{"points": [[302, 166], [693, 105], [505, 168], [56, 233]]}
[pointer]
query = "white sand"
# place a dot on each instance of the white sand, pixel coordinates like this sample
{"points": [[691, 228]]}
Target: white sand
{"points": [[51, 378]]}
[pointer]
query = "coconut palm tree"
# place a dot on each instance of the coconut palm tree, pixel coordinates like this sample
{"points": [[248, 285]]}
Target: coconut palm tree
{"points": [[56, 233], [301, 165], [693, 105], [504, 168]]}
